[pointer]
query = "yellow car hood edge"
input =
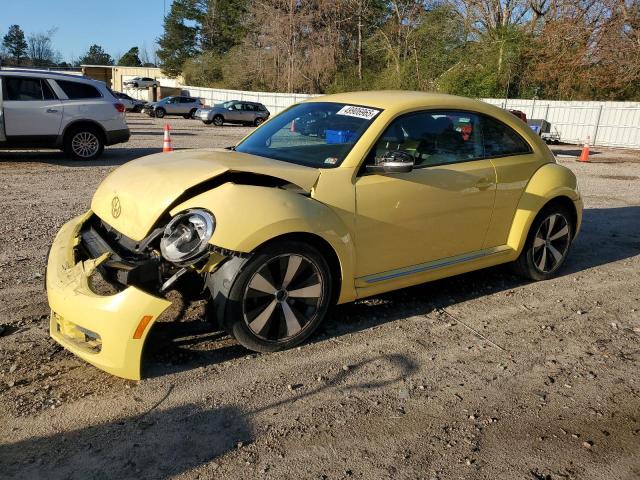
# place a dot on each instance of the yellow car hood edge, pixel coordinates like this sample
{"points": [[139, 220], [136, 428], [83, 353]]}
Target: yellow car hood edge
{"points": [[134, 196]]}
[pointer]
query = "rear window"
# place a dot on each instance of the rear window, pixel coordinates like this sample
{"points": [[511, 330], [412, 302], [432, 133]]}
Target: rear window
{"points": [[77, 90]]}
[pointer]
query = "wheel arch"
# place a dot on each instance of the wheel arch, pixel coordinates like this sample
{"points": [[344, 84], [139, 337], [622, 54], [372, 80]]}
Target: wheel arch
{"points": [[324, 247], [551, 184], [82, 123]]}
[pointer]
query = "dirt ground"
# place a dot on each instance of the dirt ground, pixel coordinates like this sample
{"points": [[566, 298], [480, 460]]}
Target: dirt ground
{"points": [[481, 376]]}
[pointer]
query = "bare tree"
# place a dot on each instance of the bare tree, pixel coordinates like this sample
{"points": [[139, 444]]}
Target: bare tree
{"points": [[41, 50]]}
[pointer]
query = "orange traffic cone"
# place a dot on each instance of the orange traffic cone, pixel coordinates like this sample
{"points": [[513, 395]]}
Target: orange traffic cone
{"points": [[584, 156], [166, 147]]}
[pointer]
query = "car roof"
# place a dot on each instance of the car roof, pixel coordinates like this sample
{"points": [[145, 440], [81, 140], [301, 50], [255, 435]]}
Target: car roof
{"points": [[399, 100], [47, 74]]}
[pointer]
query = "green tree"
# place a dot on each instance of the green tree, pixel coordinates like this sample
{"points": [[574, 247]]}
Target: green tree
{"points": [[15, 43], [179, 40], [96, 56], [223, 24], [131, 58]]}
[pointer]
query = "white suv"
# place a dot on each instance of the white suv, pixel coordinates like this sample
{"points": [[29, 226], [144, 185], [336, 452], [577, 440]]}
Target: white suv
{"points": [[53, 110]]}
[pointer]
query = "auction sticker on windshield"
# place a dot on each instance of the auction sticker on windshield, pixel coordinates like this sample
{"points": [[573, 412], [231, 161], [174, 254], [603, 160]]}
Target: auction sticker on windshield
{"points": [[358, 112]]}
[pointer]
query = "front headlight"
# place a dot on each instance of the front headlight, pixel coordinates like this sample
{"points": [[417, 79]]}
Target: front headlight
{"points": [[186, 236]]}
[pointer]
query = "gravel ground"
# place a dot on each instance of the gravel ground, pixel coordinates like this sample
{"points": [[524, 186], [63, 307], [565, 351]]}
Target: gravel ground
{"points": [[480, 376]]}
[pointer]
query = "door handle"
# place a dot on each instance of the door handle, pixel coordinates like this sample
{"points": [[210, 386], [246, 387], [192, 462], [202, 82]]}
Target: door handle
{"points": [[483, 184], [52, 110]]}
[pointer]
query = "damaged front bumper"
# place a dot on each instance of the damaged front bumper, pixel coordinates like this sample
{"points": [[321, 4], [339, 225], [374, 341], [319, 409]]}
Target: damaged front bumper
{"points": [[106, 331]]}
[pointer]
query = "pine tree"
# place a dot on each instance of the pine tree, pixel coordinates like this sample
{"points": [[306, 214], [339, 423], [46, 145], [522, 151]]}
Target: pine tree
{"points": [[15, 43], [224, 24], [131, 58], [96, 56], [179, 41]]}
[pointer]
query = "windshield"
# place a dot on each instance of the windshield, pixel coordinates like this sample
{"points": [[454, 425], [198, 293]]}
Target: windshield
{"points": [[315, 134]]}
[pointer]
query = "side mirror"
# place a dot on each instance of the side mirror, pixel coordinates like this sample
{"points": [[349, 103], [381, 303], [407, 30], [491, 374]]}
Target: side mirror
{"points": [[395, 161]]}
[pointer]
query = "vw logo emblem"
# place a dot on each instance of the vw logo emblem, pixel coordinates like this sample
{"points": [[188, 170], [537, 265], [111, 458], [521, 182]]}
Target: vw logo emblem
{"points": [[116, 207]]}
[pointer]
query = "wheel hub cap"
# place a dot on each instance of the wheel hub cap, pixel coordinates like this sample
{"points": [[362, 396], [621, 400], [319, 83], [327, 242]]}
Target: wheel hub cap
{"points": [[551, 243], [85, 144], [283, 297]]}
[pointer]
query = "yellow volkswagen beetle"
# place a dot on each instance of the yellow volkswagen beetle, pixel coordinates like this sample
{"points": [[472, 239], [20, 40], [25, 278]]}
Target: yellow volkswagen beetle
{"points": [[336, 198]]}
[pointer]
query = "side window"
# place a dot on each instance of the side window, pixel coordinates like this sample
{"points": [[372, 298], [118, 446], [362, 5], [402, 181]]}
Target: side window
{"points": [[77, 90], [237, 106], [500, 140], [185, 100], [248, 107], [432, 138], [22, 89]]}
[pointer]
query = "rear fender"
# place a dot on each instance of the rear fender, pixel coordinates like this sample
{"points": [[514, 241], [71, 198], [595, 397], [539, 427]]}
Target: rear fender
{"points": [[548, 182]]}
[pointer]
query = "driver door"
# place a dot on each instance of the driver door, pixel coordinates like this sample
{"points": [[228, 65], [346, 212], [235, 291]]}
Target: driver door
{"points": [[234, 113], [440, 209], [173, 106]]}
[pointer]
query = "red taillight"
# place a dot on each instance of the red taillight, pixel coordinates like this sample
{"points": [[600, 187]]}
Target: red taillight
{"points": [[120, 107]]}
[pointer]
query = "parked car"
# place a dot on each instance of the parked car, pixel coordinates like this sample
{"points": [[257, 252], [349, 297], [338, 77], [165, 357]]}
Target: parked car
{"points": [[183, 106], [412, 187], [520, 114], [141, 82], [52, 110], [131, 104], [234, 111]]}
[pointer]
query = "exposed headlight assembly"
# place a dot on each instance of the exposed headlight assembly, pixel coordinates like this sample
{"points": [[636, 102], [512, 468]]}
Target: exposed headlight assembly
{"points": [[186, 236]]}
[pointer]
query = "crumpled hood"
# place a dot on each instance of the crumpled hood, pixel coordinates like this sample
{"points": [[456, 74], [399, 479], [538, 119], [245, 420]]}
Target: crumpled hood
{"points": [[134, 196]]}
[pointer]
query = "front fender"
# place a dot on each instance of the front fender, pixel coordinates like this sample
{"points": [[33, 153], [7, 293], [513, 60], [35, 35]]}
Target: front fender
{"points": [[247, 216], [548, 182]]}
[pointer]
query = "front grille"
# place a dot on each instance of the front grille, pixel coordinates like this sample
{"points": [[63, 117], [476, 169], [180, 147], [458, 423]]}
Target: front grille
{"points": [[129, 263]]}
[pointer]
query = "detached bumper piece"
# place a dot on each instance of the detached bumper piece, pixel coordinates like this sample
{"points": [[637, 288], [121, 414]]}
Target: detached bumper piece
{"points": [[107, 331]]}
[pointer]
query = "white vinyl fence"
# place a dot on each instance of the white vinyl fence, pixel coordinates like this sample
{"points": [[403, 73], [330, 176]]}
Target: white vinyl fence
{"points": [[613, 124]]}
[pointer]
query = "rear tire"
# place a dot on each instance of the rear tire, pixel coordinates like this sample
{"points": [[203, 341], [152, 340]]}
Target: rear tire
{"points": [[279, 298], [160, 113], [84, 143], [547, 245], [218, 120], [258, 121]]}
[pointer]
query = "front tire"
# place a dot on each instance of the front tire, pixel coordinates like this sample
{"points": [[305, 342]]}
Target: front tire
{"points": [[160, 113], [84, 143], [547, 244], [279, 298], [218, 120]]}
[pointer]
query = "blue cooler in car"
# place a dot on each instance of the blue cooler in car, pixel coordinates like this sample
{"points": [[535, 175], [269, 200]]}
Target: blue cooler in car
{"points": [[339, 136]]}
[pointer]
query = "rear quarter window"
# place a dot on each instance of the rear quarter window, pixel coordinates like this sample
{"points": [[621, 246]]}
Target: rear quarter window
{"points": [[77, 90], [500, 140]]}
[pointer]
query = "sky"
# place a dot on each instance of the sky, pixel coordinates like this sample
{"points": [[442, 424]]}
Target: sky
{"points": [[116, 25]]}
